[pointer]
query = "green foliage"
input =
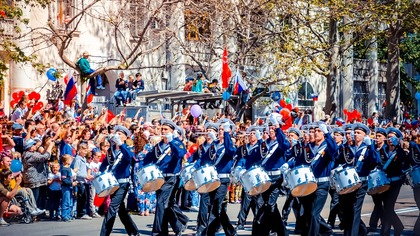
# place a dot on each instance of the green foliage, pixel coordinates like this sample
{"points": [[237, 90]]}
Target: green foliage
{"points": [[410, 50]]}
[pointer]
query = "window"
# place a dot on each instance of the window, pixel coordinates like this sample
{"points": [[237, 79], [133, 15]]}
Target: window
{"points": [[65, 12], [361, 97], [305, 95], [197, 25], [381, 95]]}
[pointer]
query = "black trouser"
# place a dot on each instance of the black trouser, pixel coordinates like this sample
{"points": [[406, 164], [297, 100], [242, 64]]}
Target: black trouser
{"points": [[203, 213], [377, 212], [390, 217], [268, 215], [334, 208], [246, 204], [218, 215], [117, 204], [351, 205], [82, 196], [416, 229], [313, 205], [54, 200], [167, 210]]}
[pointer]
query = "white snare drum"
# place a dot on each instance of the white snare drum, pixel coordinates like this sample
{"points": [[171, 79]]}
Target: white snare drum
{"points": [[255, 180], [105, 184], [378, 182], [236, 174], [346, 180], [413, 177], [206, 179], [186, 177], [301, 181], [150, 178]]}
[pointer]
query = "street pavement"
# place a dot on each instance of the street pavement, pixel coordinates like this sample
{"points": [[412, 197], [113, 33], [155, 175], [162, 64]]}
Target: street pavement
{"points": [[405, 207]]}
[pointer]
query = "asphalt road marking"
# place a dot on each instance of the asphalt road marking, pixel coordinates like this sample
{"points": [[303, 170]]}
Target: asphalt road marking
{"points": [[399, 211]]}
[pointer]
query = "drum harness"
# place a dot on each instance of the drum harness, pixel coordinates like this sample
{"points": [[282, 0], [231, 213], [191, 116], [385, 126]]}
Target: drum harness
{"points": [[217, 147], [161, 156], [359, 162], [114, 164], [320, 153], [273, 148], [391, 156]]}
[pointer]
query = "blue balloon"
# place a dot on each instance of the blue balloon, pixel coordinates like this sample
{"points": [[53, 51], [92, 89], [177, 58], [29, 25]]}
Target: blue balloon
{"points": [[50, 74], [16, 166], [226, 96], [275, 96], [417, 96]]}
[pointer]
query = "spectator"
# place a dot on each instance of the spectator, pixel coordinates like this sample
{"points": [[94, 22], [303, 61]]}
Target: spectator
{"points": [[139, 83], [7, 194], [131, 89], [66, 188], [188, 84], [80, 168], [121, 94], [198, 84], [85, 69], [54, 191]]}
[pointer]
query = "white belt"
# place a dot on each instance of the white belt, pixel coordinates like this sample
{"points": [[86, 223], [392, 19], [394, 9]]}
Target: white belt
{"points": [[392, 179], [274, 172], [323, 179], [223, 175], [123, 181], [363, 178], [169, 175]]}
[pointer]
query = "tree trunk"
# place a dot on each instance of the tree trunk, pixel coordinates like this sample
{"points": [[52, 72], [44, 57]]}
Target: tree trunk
{"points": [[392, 73], [333, 75]]}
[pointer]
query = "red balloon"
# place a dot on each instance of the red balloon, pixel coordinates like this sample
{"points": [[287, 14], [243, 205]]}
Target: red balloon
{"points": [[15, 96], [98, 200], [285, 113], [282, 103], [13, 103], [31, 95], [345, 111], [193, 148], [289, 106], [21, 93], [37, 96]]}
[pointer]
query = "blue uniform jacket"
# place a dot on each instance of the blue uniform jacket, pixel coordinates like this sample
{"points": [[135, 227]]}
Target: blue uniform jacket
{"points": [[252, 157], [323, 166], [172, 162], [200, 152], [225, 164], [370, 161], [122, 170], [279, 155], [395, 168], [413, 159]]}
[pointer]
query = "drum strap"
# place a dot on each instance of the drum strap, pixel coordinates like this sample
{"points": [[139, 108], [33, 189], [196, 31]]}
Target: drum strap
{"points": [[319, 154], [361, 158], [270, 153], [166, 152], [118, 154], [220, 157], [391, 158]]}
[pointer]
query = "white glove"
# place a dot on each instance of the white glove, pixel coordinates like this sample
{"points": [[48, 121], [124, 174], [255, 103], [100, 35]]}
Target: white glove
{"points": [[169, 137], [212, 135], [323, 128], [367, 140], [258, 134], [226, 127], [273, 120], [115, 139], [284, 168]]}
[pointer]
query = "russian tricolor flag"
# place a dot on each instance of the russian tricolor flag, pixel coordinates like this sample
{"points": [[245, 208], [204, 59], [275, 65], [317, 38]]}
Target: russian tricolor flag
{"points": [[89, 94], [239, 83], [71, 90]]}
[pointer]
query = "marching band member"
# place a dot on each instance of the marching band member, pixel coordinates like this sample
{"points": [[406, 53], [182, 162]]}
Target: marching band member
{"points": [[203, 212], [378, 209], [334, 205], [120, 159], [268, 216], [363, 157], [393, 167], [320, 156], [295, 136], [220, 154], [168, 155], [414, 162], [246, 203]]}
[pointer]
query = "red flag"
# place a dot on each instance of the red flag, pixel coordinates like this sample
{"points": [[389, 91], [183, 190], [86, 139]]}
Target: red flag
{"points": [[89, 94], [110, 116], [226, 72]]}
